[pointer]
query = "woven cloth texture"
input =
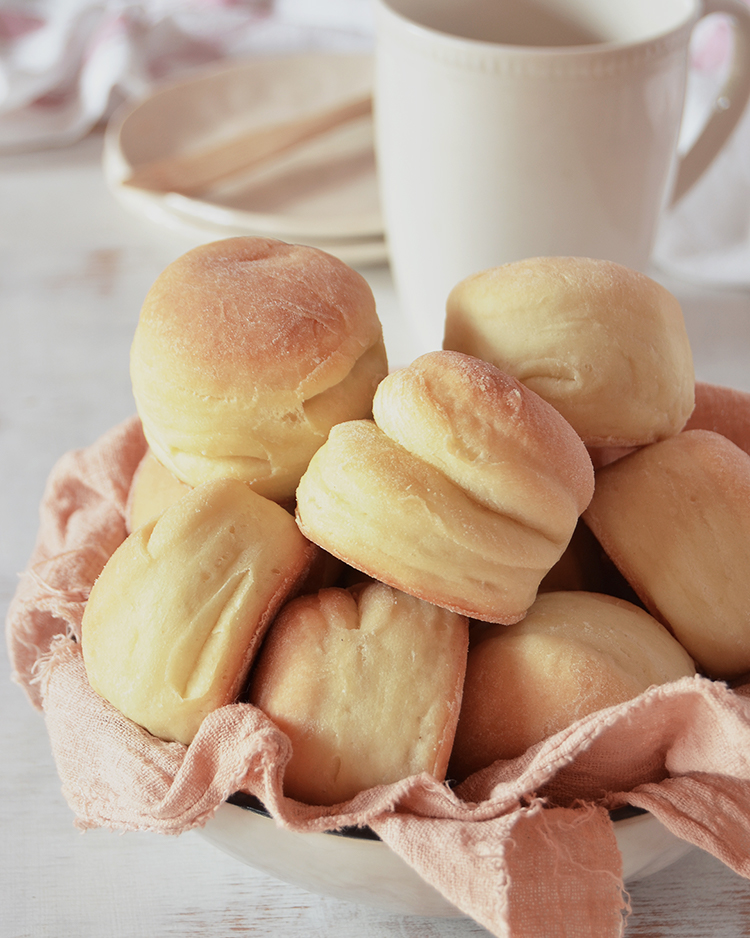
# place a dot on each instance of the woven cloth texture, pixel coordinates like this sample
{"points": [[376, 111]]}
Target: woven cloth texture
{"points": [[526, 847]]}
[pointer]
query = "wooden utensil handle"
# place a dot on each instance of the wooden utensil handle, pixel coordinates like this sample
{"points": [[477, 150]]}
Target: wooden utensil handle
{"points": [[193, 173]]}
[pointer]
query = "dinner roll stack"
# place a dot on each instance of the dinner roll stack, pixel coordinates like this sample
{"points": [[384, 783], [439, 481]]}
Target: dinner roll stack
{"points": [[463, 491], [605, 345], [367, 685], [675, 518], [177, 614], [247, 352], [573, 654]]}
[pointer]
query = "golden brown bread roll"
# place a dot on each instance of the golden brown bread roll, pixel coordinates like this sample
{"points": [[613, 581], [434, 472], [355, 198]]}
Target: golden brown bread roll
{"points": [[179, 610], [153, 489], [463, 491], [723, 410], [573, 654], [607, 346], [246, 353], [366, 683], [675, 518]]}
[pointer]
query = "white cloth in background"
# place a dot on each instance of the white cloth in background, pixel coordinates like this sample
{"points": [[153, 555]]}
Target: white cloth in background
{"points": [[65, 65]]}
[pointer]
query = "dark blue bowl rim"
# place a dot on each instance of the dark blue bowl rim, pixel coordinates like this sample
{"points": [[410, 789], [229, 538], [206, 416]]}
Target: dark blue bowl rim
{"points": [[251, 803]]}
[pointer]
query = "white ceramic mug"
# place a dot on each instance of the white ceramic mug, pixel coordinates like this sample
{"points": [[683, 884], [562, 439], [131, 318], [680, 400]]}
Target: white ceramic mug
{"points": [[516, 128]]}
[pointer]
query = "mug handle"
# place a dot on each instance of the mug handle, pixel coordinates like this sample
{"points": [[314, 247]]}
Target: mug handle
{"points": [[730, 101]]}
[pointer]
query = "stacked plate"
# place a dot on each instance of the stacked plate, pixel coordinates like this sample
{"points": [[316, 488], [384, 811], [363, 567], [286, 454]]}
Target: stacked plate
{"points": [[321, 192]]}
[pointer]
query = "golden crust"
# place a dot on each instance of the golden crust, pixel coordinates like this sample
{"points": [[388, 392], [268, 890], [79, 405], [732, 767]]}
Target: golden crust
{"points": [[473, 503], [504, 446], [367, 685], [152, 490], [606, 345], [177, 614], [723, 410], [573, 654], [675, 519], [246, 352]]}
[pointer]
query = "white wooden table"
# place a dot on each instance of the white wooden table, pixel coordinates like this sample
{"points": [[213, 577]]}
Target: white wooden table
{"points": [[74, 268]]}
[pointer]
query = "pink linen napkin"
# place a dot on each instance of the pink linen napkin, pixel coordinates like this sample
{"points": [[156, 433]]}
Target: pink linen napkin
{"points": [[525, 847]]}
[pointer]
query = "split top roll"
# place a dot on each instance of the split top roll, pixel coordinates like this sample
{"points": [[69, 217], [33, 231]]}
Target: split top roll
{"points": [[464, 490], [247, 352]]}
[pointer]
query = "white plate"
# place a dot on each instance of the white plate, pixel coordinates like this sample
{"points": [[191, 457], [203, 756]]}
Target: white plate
{"points": [[370, 873], [323, 193]]}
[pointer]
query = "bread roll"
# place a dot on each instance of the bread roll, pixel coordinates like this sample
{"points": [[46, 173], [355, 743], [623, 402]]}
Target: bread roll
{"points": [[463, 491], [603, 455], [723, 410], [605, 345], [367, 685], [675, 518], [573, 654], [152, 490], [176, 616], [246, 353]]}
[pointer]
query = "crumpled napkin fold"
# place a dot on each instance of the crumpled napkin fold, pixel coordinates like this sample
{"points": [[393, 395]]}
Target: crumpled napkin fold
{"points": [[525, 847]]}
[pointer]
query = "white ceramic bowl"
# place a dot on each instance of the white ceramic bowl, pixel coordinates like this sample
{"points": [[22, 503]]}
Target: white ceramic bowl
{"points": [[365, 870]]}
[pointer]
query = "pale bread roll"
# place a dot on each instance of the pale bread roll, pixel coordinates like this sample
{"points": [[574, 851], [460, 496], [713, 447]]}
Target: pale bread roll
{"points": [[176, 616], [675, 518], [723, 410], [605, 345], [367, 685], [246, 353], [603, 455], [152, 490], [471, 504], [573, 654], [506, 448]]}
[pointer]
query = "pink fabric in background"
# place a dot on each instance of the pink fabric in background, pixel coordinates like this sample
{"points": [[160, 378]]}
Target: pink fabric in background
{"points": [[65, 65], [524, 847]]}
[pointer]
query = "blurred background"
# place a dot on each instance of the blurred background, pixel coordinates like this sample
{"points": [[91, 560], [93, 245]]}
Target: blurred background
{"points": [[66, 66]]}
